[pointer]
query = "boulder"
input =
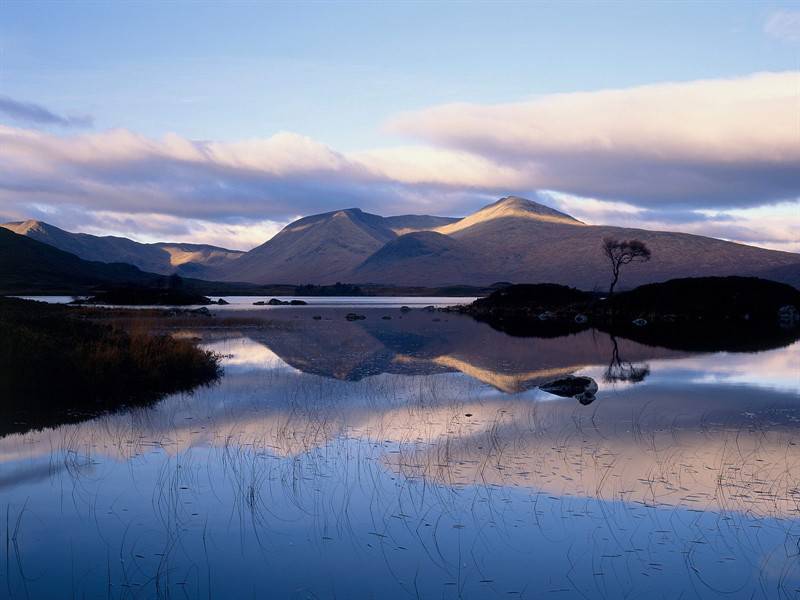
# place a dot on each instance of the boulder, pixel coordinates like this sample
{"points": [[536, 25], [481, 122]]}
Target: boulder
{"points": [[298, 303], [582, 389]]}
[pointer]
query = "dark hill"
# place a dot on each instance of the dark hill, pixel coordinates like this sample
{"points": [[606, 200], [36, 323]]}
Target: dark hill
{"points": [[710, 298], [30, 266]]}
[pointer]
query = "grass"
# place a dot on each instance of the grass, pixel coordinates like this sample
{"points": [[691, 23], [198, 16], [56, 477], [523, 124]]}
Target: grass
{"points": [[55, 360]]}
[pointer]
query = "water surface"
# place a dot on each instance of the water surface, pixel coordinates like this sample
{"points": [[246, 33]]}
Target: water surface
{"points": [[415, 456]]}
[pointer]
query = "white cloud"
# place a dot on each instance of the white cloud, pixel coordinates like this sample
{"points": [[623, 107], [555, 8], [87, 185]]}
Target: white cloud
{"points": [[701, 143], [149, 228], [700, 156]]}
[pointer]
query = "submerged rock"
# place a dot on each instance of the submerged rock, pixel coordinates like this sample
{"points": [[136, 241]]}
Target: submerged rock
{"points": [[354, 317], [405, 309], [582, 389]]}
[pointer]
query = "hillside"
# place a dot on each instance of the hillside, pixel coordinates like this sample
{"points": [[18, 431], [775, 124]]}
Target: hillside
{"points": [[28, 265], [322, 248], [516, 240], [513, 240], [165, 258]]}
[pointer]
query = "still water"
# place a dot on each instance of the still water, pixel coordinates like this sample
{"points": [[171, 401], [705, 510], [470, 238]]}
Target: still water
{"points": [[416, 457], [247, 302]]}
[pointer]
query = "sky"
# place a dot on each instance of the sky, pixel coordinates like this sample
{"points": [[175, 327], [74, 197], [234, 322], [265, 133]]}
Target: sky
{"points": [[221, 122]]}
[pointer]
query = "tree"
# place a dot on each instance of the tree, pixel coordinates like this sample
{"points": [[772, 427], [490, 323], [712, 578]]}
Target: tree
{"points": [[623, 252]]}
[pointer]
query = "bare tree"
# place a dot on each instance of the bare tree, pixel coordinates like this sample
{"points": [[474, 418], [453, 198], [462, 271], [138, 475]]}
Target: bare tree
{"points": [[622, 252], [623, 370]]}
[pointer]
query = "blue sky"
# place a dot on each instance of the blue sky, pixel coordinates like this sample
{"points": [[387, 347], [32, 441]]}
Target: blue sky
{"points": [[338, 75]]}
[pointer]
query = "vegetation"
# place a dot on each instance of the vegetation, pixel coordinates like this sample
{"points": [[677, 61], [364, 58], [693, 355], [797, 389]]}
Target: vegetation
{"points": [[702, 313], [623, 252], [54, 361]]}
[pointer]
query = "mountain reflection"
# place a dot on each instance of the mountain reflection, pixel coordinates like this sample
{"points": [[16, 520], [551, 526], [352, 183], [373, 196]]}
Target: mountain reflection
{"points": [[417, 345], [459, 402], [423, 456]]}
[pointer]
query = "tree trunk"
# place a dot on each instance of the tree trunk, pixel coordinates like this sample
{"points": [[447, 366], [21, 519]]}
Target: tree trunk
{"points": [[613, 283]]}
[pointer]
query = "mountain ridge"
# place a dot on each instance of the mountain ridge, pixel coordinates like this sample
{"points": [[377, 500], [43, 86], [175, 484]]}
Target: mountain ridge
{"points": [[512, 239], [163, 258]]}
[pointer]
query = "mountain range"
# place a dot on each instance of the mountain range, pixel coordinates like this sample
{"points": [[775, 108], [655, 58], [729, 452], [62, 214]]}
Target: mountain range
{"points": [[30, 266], [164, 258], [514, 240]]}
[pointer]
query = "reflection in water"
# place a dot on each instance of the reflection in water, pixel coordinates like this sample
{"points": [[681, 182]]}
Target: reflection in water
{"points": [[407, 457]]}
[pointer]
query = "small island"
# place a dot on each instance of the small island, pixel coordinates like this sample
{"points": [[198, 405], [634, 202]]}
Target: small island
{"points": [[146, 296], [700, 313]]}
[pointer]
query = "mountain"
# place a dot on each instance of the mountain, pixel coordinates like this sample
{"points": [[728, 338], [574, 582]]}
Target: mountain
{"points": [[513, 239], [194, 260], [30, 266], [323, 248]]}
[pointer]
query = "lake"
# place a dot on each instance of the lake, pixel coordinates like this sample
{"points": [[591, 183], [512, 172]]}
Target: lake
{"points": [[413, 455]]}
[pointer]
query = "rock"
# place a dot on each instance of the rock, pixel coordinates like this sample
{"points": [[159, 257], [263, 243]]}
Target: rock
{"points": [[317, 317], [259, 303], [639, 322], [429, 309], [405, 309], [276, 302], [579, 318], [386, 318], [547, 316], [222, 302], [298, 303], [788, 316], [581, 388], [202, 311], [354, 317]]}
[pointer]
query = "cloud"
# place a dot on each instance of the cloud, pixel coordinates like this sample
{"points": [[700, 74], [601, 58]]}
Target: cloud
{"points": [[36, 114], [273, 178], [732, 142], [698, 157], [784, 25], [773, 226]]}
